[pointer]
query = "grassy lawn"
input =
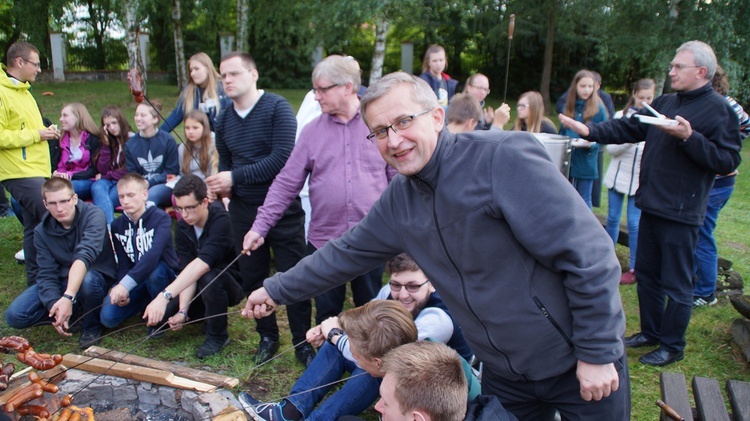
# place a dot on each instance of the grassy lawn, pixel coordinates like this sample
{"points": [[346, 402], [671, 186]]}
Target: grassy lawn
{"points": [[710, 350]]}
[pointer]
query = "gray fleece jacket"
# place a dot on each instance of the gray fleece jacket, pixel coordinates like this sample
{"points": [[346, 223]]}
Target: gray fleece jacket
{"points": [[523, 265]]}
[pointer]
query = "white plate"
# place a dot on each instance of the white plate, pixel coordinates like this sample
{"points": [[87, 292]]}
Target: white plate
{"points": [[656, 121]]}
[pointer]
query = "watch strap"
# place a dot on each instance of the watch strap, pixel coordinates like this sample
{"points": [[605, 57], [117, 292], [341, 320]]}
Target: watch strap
{"points": [[71, 298], [333, 332]]}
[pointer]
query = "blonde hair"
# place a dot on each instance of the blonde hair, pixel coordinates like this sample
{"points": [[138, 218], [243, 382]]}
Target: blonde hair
{"points": [[210, 91], [462, 108], [84, 122], [536, 113], [429, 377], [207, 162], [378, 326]]}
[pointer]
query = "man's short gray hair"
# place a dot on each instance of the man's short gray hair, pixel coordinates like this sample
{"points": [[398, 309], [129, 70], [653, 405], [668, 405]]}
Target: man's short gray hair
{"points": [[340, 70], [704, 56], [419, 91]]}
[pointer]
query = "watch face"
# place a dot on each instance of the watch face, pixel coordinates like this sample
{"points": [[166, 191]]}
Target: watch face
{"points": [[167, 294]]}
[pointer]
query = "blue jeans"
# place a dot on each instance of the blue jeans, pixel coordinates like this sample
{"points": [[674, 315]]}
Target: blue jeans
{"points": [[161, 195], [613, 221], [112, 314], [27, 309], [82, 188], [329, 365], [584, 187], [706, 253], [104, 193]]}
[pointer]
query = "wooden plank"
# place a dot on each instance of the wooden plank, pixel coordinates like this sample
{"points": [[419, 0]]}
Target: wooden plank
{"points": [[128, 371], [708, 399], [53, 375], [186, 372], [674, 393], [230, 413], [739, 397]]}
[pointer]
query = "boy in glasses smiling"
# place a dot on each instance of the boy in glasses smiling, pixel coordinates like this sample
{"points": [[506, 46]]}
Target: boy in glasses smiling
{"points": [[203, 249], [76, 266]]}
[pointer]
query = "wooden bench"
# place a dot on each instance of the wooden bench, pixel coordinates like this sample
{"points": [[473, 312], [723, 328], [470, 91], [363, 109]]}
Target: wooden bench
{"points": [[709, 401]]}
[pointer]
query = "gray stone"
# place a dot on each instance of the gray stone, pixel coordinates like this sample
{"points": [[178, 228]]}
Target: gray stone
{"points": [[200, 411], [741, 334], [168, 398], [147, 396], [187, 400], [126, 394], [215, 401]]}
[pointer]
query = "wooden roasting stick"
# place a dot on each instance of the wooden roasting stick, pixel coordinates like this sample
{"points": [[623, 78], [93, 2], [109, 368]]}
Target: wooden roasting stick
{"points": [[129, 371], [186, 372]]}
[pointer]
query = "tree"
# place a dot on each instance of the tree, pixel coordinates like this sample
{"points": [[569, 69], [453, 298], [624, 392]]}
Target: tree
{"points": [[179, 45], [240, 37], [132, 28]]}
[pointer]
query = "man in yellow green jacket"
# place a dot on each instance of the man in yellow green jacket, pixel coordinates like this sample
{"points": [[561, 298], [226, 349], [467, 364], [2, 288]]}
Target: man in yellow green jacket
{"points": [[24, 153]]}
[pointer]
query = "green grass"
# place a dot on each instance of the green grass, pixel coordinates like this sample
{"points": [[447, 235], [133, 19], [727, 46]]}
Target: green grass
{"points": [[710, 351]]}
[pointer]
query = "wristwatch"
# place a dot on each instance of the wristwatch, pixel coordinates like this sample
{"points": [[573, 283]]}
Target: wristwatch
{"points": [[333, 332], [72, 299], [167, 295]]}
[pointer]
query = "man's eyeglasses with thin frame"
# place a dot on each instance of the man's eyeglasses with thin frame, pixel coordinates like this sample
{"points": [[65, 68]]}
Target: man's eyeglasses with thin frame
{"points": [[396, 287], [324, 90], [186, 209], [59, 202], [680, 66], [38, 65], [402, 124]]}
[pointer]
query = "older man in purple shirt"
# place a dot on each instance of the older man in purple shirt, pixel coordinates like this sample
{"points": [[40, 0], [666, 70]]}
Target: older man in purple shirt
{"points": [[347, 175]]}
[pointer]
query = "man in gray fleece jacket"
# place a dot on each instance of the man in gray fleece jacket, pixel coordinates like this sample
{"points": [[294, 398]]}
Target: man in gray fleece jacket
{"points": [[526, 269]]}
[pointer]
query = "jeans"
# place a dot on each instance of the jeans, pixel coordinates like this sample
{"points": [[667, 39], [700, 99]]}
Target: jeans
{"points": [[28, 192], [613, 221], [364, 289], [104, 193], [706, 253], [329, 365], [27, 309], [82, 188], [538, 400], [112, 314], [161, 195], [584, 187], [665, 279]]}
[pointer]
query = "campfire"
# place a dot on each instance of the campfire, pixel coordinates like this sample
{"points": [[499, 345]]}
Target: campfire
{"points": [[109, 386]]}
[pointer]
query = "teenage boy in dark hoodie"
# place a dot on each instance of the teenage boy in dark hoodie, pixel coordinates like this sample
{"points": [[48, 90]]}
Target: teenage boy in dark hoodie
{"points": [[142, 237], [76, 266], [204, 251]]}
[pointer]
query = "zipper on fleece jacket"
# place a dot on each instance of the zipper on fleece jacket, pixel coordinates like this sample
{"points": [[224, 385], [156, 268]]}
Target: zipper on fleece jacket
{"points": [[552, 320], [463, 284]]}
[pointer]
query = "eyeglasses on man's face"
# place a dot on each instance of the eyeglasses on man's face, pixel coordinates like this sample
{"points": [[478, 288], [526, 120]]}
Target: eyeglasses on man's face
{"points": [[679, 67], [396, 287], [35, 64], [324, 89], [402, 124], [186, 209], [59, 202]]}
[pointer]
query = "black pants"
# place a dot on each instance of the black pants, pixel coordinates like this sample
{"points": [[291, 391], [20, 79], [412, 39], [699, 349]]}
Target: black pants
{"points": [[28, 192], [4, 202], [287, 239], [664, 266], [364, 289], [538, 400]]}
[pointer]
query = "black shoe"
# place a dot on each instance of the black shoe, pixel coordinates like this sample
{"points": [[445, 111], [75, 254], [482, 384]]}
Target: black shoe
{"points": [[210, 347], [639, 340], [266, 349], [305, 354], [661, 357], [155, 333], [89, 338]]}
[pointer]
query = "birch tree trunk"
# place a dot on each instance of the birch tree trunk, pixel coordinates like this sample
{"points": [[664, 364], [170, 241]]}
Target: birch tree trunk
{"points": [[547, 67], [134, 44], [240, 37], [378, 56], [179, 45]]}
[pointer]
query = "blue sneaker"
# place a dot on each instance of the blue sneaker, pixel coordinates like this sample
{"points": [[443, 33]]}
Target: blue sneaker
{"points": [[261, 411]]}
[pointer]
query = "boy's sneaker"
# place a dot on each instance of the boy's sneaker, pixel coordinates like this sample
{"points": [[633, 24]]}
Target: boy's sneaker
{"points": [[20, 257], [89, 338], [210, 347], [628, 277], [704, 301], [261, 411]]}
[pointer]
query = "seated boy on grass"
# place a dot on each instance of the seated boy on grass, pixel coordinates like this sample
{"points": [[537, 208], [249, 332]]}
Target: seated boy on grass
{"points": [[142, 238]]}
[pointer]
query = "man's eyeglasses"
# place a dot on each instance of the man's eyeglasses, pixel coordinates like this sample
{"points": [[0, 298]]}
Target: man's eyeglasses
{"points": [[680, 67], [37, 64], [186, 209], [482, 88], [403, 124], [396, 287], [59, 202], [324, 89]]}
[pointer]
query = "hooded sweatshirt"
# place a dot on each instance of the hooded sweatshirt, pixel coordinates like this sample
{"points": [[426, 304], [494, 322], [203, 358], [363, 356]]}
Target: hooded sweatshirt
{"points": [[57, 249], [23, 154], [141, 245], [152, 157]]}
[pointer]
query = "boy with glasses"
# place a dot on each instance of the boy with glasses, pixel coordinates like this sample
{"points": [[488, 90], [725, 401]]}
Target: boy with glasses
{"points": [[202, 246], [142, 238], [76, 266], [412, 290]]}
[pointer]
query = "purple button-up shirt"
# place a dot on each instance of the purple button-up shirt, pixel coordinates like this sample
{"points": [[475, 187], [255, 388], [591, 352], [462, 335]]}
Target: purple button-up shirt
{"points": [[347, 175]]}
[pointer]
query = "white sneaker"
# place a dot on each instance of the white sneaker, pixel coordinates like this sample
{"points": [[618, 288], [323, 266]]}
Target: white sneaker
{"points": [[20, 256]]}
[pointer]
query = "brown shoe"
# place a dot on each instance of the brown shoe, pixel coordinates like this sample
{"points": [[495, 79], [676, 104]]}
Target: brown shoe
{"points": [[628, 277]]}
